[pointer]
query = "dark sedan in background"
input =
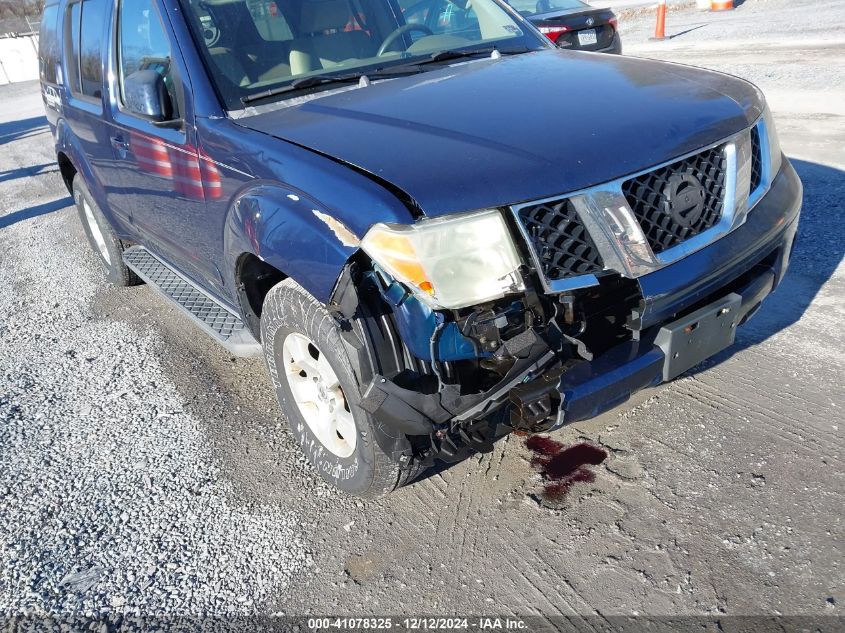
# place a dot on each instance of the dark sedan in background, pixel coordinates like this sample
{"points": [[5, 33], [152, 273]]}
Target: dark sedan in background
{"points": [[573, 24]]}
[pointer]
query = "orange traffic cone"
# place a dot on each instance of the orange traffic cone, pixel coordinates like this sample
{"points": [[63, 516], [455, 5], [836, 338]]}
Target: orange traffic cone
{"points": [[660, 27], [721, 5]]}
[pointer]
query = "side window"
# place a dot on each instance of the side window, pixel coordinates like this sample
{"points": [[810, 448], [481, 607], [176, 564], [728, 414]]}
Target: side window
{"points": [[71, 29], [84, 26], [48, 44], [91, 47], [143, 44]]}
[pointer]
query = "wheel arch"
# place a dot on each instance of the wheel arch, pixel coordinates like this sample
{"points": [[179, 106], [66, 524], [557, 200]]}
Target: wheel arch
{"points": [[274, 232], [66, 169], [255, 278], [72, 163]]}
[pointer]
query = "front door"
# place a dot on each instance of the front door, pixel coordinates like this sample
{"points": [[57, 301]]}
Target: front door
{"points": [[161, 180]]}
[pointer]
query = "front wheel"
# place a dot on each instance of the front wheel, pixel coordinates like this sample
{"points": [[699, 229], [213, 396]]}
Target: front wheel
{"points": [[319, 394]]}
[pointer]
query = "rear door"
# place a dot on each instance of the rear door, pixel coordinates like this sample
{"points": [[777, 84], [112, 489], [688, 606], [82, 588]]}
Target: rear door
{"points": [[161, 178], [84, 26], [49, 62]]}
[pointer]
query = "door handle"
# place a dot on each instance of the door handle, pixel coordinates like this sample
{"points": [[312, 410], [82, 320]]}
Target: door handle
{"points": [[120, 145]]}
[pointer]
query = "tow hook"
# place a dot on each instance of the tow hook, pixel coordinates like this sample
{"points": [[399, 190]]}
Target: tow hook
{"points": [[534, 403], [477, 435]]}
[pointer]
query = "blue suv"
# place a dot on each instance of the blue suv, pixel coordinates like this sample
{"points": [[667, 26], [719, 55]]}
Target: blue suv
{"points": [[434, 226]]}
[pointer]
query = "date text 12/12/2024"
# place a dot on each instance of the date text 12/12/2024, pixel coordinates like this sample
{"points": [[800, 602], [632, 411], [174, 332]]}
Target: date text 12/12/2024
{"points": [[480, 623]]}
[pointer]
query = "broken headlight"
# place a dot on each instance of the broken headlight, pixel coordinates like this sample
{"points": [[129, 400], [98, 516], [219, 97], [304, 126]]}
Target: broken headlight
{"points": [[451, 262]]}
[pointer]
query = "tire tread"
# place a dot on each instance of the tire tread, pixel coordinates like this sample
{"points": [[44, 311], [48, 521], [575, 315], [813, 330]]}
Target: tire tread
{"points": [[287, 303]]}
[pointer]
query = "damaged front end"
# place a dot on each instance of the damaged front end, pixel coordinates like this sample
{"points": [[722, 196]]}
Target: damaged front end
{"points": [[589, 297], [442, 383]]}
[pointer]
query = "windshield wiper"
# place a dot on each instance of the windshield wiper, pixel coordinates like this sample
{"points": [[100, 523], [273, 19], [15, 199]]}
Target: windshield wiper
{"points": [[442, 56], [322, 80], [301, 84], [409, 68], [414, 65]]}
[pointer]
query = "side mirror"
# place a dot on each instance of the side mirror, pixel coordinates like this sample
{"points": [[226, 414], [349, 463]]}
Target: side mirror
{"points": [[145, 94]]}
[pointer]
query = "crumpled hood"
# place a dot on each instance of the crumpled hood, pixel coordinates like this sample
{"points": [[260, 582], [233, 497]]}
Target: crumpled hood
{"points": [[495, 132]]}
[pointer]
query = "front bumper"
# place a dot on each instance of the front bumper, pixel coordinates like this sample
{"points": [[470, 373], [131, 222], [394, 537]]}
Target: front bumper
{"points": [[545, 391], [750, 261]]}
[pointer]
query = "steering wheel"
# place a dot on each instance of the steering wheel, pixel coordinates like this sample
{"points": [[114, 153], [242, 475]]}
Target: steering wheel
{"points": [[397, 33]]}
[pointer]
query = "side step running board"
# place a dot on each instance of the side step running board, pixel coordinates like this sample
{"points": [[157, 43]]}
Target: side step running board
{"points": [[217, 320]]}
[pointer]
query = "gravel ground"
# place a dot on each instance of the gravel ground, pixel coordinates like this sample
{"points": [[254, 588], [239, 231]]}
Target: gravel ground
{"points": [[110, 497], [144, 471]]}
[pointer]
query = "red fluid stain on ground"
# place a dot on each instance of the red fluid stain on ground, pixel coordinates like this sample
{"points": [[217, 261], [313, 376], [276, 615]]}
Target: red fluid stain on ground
{"points": [[561, 466]]}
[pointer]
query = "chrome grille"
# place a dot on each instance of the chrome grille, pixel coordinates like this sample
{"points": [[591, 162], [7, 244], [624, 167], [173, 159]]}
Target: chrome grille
{"points": [[637, 224], [657, 198], [560, 241], [756, 159]]}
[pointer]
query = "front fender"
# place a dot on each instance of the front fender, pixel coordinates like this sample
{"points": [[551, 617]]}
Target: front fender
{"points": [[292, 232]]}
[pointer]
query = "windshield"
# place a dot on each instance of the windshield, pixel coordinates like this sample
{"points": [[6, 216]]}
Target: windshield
{"points": [[537, 7], [253, 47]]}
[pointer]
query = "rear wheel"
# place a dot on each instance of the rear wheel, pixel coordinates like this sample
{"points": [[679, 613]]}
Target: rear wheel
{"points": [[104, 242], [319, 394]]}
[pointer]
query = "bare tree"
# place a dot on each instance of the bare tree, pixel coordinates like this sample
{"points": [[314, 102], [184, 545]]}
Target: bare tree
{"points": [[21, 8]]}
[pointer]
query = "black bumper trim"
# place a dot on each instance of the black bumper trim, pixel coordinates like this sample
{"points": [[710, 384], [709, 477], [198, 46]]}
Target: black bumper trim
{"points": [[591, 388]]}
